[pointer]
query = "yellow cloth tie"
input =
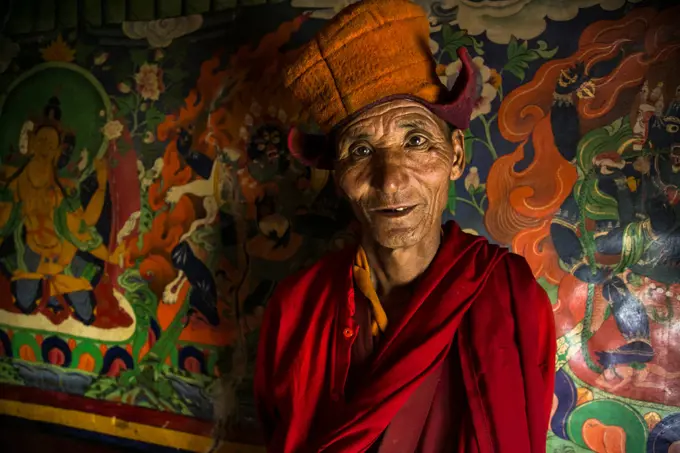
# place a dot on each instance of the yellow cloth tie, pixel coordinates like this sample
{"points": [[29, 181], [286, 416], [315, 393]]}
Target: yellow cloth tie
{"points": [[362, 278]]}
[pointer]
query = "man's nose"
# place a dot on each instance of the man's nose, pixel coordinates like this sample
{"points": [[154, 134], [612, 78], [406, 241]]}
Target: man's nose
{"points": [[389, 171]]}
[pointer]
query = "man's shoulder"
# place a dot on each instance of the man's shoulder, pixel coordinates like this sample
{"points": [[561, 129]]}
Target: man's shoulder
{"points": [[487, 251], [513, 267], [521, 276], [465, 238], [310, 293], [331, 267], [519, 263], [506, 267]]}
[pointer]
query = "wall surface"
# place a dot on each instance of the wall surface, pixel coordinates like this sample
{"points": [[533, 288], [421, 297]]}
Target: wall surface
{"points": [[149, 206]]}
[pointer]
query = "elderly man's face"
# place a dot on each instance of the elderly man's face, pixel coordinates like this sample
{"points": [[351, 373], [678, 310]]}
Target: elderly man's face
{"points": [[394, 165]]}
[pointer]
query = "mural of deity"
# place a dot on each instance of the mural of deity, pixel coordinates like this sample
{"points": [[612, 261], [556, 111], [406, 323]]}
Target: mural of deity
{"points": [[57, 257], [621, 214], [53, 224], [604, 231]]}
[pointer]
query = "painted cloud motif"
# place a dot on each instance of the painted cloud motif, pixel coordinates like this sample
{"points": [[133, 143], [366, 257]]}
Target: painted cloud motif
{"points": [[525, 19], [500, 19], [160, 33]]}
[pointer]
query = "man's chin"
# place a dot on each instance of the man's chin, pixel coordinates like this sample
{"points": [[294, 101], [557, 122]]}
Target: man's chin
{"points": [[395, 232], [399, 236]]}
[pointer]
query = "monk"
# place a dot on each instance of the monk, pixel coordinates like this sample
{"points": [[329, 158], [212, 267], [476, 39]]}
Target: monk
{"points": [[420, 338]]}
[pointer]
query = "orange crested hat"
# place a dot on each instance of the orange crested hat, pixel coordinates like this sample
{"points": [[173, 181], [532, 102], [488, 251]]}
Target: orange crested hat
{"points": [[372, 52]]}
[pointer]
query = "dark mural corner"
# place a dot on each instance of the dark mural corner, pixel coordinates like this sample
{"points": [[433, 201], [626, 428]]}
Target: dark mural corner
{"points": [[149, 205]]}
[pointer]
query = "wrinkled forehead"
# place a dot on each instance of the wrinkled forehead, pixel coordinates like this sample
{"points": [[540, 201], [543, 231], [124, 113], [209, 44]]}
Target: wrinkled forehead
{"points": [[390, 117]]}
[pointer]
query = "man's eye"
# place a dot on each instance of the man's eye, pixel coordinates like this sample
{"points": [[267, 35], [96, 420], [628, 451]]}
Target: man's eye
{"points": [[361, 151], [416, 140]]}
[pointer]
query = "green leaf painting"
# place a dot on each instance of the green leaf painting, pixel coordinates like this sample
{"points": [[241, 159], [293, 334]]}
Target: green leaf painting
{"points": [[520, 55], [153, 118]]}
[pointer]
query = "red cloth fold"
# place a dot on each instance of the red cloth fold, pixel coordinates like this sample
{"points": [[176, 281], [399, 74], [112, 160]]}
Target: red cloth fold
{"points": [[309, 328]]}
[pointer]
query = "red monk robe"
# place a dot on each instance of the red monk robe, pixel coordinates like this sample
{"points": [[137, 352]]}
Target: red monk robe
{"points": [[476, 303]]}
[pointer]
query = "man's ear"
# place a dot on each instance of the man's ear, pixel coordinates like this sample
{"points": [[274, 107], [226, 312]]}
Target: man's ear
{"points": [[458, 162]]}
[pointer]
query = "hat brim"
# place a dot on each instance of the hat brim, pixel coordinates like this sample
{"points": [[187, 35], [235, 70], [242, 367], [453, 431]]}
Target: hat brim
{"points": [[317, 151]]}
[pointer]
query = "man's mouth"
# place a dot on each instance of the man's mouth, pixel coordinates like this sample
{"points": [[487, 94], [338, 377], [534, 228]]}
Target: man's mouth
{"points": [[394, 211]]}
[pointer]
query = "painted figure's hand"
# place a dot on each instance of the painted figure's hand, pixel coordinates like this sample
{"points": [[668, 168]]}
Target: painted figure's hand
{"points": [[621, 182], [173, 195], [118, 255]]}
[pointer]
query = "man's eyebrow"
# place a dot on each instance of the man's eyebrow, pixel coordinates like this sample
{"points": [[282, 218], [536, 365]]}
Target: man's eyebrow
{"points": [[352, 136], [415, 124]]}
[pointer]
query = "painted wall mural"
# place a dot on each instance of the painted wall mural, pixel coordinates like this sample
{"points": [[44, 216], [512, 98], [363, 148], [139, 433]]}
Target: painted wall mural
{"points": [[149, 205]]}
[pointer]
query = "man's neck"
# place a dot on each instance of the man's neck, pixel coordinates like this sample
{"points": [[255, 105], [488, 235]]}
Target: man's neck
{"points": [[397, 268]]}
